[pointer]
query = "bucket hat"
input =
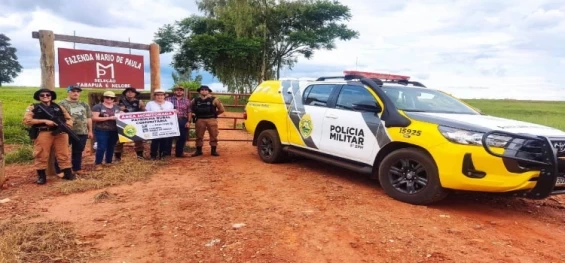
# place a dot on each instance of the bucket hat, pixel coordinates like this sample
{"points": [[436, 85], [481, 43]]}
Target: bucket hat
{"points": [[131, 89], [53, 94], [204, 87]]}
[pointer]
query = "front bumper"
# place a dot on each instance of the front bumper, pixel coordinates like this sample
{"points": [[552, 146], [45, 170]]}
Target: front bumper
{"points": [[534, 153]]}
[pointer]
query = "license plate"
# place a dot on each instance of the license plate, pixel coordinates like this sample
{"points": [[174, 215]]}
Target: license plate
{"points": [[560, 181]]}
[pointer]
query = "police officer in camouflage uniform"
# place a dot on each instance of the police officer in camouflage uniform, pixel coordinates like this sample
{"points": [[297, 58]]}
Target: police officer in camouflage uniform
{"points": [[129, 103], [82, 126], [36, 117], [206, 109]]}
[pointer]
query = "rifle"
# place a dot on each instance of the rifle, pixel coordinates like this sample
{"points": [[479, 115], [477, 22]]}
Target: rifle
{"points": [[61, 126], [129, 107]]}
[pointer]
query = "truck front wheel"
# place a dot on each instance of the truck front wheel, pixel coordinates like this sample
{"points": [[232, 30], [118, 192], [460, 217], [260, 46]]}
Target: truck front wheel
{"points": [[410, 175], [269, 147]]}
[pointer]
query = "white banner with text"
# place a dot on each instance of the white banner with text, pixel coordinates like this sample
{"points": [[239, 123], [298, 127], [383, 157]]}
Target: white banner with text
{"points": [[140, 126]]}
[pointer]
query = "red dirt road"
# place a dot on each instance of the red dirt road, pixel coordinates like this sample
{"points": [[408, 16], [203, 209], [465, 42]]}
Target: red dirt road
{"points": [[302, 211]]}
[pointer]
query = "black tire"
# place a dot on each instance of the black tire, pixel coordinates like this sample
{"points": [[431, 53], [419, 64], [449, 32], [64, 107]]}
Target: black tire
{"points": [[269, 147], [400, 180]]}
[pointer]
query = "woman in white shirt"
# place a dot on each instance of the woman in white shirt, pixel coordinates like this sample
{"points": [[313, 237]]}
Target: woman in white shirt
{"points": [[160, 148]]}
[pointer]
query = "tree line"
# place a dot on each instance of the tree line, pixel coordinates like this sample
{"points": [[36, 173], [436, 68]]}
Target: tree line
{"points": [[243, 42]]}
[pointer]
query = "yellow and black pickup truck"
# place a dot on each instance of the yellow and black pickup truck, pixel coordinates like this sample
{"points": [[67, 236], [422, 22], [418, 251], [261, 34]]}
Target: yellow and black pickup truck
{"points": [[419, 143]]}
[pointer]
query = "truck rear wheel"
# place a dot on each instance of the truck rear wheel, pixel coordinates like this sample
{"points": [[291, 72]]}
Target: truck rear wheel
{"points": [[269, 147], [410, 175]]}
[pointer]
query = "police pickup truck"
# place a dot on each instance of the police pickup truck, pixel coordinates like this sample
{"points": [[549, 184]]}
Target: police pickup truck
{"points": [[419, 143]]}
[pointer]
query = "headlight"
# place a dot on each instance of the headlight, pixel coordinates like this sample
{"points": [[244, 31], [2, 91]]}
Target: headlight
{"points": [[467, 137]]}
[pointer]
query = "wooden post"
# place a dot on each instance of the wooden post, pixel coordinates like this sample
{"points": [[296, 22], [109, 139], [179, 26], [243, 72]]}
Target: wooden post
{"points": [[2, 152], [47, 64], [47, 61], [155, 65]]}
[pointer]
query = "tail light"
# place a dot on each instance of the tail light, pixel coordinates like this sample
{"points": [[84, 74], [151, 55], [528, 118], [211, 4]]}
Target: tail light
{"points": [[245, 114]]}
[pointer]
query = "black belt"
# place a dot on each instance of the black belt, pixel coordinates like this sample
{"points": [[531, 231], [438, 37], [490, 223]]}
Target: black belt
{"points": [[46, 128]]}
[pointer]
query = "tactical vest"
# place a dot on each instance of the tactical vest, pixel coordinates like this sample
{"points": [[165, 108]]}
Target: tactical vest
{"points": [[53, 108], [132, 106], [205, 108]]}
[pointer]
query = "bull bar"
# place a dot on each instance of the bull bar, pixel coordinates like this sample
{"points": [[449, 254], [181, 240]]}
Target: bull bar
{"points": [[544, 158]]}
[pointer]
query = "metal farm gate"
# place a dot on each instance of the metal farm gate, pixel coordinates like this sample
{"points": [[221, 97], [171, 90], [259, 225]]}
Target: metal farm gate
{"points": [[237, 105]]}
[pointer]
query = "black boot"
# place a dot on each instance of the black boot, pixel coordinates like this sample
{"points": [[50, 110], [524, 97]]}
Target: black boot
{"points": [[118, 156], [139, 155], [69, 175], [198, 151], [41, 177], [214, 152]]}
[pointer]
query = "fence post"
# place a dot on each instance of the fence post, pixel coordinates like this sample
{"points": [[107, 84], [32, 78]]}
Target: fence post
{"points": [[155, 67], [2, 152]]}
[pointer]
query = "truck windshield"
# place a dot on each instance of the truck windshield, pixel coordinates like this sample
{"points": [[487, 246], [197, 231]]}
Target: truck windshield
{"points": [[425, 100]]}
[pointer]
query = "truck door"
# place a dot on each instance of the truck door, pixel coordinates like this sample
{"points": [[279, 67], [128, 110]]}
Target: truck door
{"points": [[306, 113], [351, 132]]}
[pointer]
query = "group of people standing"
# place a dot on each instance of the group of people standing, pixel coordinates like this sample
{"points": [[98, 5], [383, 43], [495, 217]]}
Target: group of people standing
{"points": [[100, 122]]}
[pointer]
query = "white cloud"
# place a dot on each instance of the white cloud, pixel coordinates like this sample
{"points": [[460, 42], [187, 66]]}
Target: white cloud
{"points": [[471, 48], [509, 48], [12, 21], [545, 18]]}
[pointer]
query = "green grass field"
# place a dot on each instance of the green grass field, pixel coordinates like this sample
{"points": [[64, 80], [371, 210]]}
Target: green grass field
{"points": [[15, 100], [548, 113]]}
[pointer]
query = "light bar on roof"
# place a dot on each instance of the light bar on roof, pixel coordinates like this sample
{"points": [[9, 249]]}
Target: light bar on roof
{"points": [[381, 76]]}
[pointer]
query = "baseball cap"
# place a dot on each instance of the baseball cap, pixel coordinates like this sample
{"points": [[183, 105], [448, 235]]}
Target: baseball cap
{"points": [[71, 87]]}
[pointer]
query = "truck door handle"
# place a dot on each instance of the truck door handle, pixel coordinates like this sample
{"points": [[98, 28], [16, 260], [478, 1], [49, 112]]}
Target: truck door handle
{"points": [[331, 116]]}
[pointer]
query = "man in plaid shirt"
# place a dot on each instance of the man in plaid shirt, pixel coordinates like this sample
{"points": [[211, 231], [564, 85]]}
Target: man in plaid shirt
{"points": [[182, 106]]}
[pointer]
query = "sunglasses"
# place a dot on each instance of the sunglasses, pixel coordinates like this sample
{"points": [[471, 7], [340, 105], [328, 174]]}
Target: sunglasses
{"points": [[109, 98], [45, 95]]}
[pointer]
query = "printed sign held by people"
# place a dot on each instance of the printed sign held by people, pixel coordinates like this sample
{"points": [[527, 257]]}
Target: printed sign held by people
{"points": [[139, 126]]}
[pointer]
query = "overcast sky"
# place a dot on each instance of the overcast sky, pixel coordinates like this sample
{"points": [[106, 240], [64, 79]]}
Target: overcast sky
{"points": [[471, 48]]}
